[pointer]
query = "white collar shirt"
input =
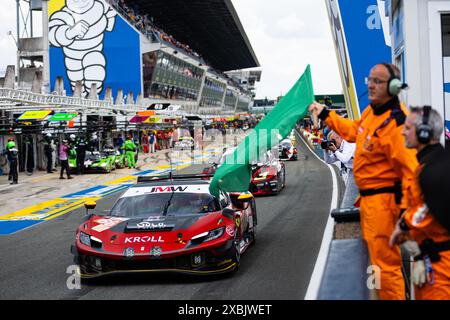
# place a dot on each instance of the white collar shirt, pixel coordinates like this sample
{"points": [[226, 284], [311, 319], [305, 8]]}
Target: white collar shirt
{"points": [[344, 154]]}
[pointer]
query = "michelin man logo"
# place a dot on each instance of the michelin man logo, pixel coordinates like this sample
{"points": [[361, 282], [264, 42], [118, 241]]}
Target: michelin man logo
{"points": [[78, 28]]}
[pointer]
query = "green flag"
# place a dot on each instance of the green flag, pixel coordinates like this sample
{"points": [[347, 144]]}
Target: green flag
{"points": [[235, 173]]}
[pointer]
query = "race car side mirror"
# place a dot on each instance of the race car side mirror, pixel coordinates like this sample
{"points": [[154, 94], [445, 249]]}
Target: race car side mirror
{"points": [[89, 205], [227, 212], [245, 197]]}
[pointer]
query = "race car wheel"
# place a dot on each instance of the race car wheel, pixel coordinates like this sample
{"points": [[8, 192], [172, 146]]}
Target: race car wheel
{"points": [[284, 178], [278, 189]]}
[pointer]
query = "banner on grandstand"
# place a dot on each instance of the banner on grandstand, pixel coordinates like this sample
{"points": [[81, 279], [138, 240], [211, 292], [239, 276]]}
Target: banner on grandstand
{"points": [[360, 31], [89, 42]]}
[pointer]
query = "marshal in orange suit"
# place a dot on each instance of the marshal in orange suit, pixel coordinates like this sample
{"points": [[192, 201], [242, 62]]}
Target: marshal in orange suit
{"points": [[383, 169], [422, 131]]}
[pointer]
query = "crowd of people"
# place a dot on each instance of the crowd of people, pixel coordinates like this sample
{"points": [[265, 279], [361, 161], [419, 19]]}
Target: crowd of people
{"points": [[397, 151], [145, 24]]}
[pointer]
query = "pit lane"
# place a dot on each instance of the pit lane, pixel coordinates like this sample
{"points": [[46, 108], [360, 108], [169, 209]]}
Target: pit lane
{"points": [[290, 229]]}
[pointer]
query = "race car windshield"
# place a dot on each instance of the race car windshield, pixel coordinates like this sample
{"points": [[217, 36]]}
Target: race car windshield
{"points": [[286, 144], [93, 157], [154, 204]]}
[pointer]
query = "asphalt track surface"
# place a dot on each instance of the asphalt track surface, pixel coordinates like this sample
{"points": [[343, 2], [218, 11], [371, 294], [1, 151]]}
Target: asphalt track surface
{"points": [[34, 262]]}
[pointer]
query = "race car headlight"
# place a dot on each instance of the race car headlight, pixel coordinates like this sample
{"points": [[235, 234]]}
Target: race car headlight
{"points": [[85, 239], [90, 241], [103, 165], [264, 174], [214, 234], [208, 236]]}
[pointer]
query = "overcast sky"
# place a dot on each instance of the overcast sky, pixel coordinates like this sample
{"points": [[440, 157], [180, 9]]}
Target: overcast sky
{"points": [[286, 35], [7, 22]]}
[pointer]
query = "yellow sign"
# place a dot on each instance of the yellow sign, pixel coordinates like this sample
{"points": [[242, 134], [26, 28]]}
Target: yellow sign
{"points": [[153, 120], [34, 115]]}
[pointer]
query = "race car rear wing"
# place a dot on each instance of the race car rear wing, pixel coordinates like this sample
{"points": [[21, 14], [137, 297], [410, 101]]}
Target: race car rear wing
{"points": [[171, 177]]}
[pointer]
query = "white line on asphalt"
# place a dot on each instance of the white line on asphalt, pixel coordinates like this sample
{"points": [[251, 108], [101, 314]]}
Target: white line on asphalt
{"points": [[319, 267]]}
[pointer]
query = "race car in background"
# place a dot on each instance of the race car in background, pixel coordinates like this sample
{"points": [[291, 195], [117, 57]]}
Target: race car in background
{"points": [[185, 140], [117, 158], [292, 137], [167, 224], [94, 161], [184, 143], [268, 175], [287, 150]]}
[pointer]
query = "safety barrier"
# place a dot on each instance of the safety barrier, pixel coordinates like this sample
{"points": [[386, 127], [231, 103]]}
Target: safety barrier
{"points": [[346, 271], [345, 276], [345, 215]]}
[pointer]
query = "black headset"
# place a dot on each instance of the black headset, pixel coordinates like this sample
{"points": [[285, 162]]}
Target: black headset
{"points": [[424, 131], [395, 85]]}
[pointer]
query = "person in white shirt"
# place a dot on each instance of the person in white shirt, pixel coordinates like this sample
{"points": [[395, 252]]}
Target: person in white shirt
{"points": [[337, 149]]}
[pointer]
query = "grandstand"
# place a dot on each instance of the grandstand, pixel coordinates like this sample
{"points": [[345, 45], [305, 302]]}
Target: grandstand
{"points": [[112, 61], [137, 53]]}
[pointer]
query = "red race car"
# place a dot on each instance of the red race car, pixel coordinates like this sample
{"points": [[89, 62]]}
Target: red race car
{"points": [[268, 175], [287, 150], [167, 224]]}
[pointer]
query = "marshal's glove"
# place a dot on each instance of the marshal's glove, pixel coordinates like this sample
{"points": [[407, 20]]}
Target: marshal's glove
{"points": [[419, 275]]}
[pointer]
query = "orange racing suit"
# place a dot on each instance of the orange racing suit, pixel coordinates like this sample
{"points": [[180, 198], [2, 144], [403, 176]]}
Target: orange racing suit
{"points": [[383, 167], [424, 227]]}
